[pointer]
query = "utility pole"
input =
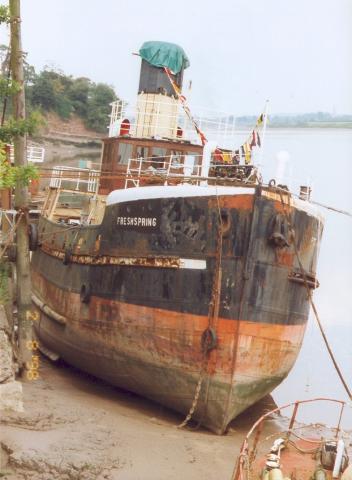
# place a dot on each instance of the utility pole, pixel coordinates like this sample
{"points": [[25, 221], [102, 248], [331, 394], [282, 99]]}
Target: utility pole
{"points": [[21, 195]]}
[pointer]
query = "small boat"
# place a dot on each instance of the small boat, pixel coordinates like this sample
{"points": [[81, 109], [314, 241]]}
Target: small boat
{"points": [[174, 271], [298, 451]]}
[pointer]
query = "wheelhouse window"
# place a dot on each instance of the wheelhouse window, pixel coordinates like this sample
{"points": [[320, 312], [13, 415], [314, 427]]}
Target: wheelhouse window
{"points": [[187, 162], [125, 153], [176, 159], [142, 153], [189, 165], [158, 157]]}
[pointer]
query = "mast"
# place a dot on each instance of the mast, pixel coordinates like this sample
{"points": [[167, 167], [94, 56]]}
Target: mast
{"points": [[266, 108]]}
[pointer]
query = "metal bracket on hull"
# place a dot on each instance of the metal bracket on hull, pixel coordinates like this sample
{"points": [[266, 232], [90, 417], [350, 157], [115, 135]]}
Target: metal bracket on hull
{"points": [[309, 279]]}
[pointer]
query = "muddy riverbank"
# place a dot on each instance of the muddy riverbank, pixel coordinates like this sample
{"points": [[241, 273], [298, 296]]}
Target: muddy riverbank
{"points": [[60, 148], [77, 427]]}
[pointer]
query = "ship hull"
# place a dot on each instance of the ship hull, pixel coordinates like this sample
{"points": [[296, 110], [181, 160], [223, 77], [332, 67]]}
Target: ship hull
{"points": [[140, 326]]}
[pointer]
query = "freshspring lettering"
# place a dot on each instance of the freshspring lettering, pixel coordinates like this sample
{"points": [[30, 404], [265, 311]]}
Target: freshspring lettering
{"points": [[136, 221]]}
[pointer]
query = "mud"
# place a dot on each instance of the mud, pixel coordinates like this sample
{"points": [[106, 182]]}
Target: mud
{"points": [[77, 427]]}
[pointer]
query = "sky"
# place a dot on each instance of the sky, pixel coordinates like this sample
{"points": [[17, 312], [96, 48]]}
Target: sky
{"points": [[297, 54]]}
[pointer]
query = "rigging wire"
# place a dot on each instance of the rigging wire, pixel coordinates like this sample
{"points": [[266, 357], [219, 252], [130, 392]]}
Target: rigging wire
{"points": [[334, 209], [304, 276], [71, 174]]}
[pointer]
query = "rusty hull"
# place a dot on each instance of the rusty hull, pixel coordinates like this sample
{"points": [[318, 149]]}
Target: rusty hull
{"points": [[140, 327]]}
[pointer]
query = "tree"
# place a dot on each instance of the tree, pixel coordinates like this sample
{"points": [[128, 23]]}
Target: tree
{"points": [[15, 130], [42, 93], [78, 93], [11, 175], [101, 96], [52, 90], [49, 92]]}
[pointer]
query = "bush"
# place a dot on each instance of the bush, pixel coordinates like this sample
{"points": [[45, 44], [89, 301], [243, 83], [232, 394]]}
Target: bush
{"points": [[98, 110], [53, 91]]}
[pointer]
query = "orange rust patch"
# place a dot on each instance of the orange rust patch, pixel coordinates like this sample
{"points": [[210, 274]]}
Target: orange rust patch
{"points": [[285, 257], [282, 208], [171, 337], [242, 202], [292, 333]]}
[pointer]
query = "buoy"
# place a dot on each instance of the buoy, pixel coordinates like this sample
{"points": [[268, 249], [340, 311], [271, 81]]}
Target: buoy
{"points": [[319, 474], [265, 474], [276, 474]]}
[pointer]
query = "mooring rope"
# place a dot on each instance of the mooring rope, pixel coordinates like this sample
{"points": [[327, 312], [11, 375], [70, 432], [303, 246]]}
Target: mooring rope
{"points": [[334, 209], [304, 276]]}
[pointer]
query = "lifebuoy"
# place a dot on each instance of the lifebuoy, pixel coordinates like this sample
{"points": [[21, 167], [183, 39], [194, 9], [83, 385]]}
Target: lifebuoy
{"points": [[208, 340], [179, 132], [125, 127]]}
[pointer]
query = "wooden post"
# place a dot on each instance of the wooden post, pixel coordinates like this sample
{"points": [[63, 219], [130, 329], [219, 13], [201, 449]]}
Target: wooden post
{"points": [[21, 195]]}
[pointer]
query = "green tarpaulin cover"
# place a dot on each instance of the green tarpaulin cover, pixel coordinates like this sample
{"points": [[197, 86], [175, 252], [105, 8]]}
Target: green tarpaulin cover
{"points": [[164, 54]]}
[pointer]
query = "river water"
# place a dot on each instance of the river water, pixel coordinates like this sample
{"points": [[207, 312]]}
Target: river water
{"points": [[323, 158]]}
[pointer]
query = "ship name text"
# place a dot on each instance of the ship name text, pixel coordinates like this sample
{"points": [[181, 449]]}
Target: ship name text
{"points": [[137, 221]]}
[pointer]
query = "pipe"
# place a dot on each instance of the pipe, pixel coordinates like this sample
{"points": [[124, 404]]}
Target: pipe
{"points": [[48, 311], [338, 459]]}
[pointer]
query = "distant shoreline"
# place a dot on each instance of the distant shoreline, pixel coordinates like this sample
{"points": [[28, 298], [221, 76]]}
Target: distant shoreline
{"points": [[341, 126], [60, 147]]}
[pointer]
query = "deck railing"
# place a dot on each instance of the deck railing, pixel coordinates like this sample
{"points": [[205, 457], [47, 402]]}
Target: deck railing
{"points": [[163, 117], [166, 167], [35, 154], [77, 179]]}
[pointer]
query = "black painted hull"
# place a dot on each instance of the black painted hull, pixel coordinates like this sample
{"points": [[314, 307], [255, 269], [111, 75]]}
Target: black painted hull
{"points": [[134, 295]]}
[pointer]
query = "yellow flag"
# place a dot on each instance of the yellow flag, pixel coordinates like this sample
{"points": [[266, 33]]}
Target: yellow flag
{"points": [[247, 153]]}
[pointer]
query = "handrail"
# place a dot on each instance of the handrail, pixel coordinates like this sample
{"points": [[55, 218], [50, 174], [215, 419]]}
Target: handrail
{"points": [[85, 176], [35, 154], [245, 445], [162, 116], [159, 165]]}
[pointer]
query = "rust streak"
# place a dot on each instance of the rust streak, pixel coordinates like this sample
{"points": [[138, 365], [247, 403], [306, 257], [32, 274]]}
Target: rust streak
{"points": [[160, 261]]}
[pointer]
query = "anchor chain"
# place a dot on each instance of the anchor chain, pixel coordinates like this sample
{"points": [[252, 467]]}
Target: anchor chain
{"points": [[209, 339], [195, 399]]}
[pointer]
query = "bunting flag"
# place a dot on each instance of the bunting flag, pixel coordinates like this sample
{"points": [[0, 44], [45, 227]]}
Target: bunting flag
{"points": [[260, 120], [185, 107], [237, 157], [244, 152], [247, 153], [227, 156]]}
